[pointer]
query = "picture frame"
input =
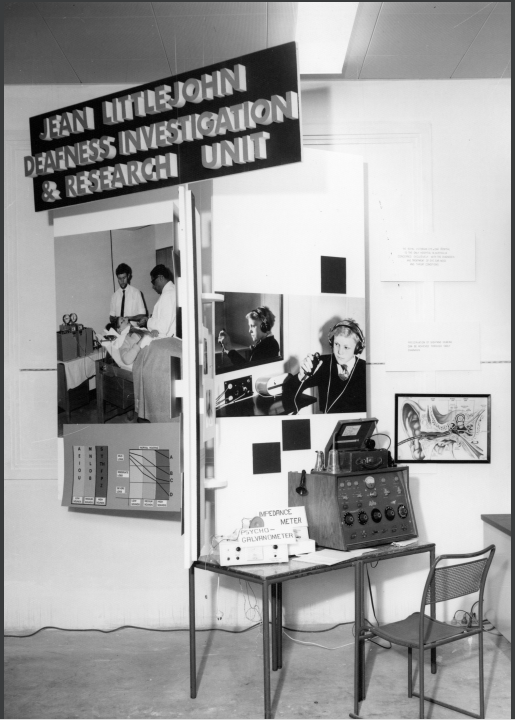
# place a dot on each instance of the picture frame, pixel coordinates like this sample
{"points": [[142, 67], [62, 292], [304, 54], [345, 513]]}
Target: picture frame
{"points": [[442, 428]]}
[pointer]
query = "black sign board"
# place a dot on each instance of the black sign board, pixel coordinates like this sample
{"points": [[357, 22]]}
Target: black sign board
{"points": [[232, 117]]}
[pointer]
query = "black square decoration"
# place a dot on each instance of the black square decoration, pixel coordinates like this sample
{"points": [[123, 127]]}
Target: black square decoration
{"points": [[296, 435], [333, 271], [266, 458]]}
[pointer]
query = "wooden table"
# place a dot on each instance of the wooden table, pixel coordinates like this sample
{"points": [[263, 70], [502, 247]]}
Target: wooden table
{"points": [[271, 577]]}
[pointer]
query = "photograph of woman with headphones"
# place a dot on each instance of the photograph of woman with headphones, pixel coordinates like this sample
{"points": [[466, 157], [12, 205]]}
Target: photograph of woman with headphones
{"points": [[339, 376], [264, 347]]}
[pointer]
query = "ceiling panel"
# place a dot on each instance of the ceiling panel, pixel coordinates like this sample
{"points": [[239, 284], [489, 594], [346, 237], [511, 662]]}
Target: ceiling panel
{"points": [[484, 66], [433, 8], [94, 9], [364, 25], [282, 22], [237, 35], [30, 38], [134, 71], [183, 37], [20, 9], [201, 9], [108, 38], [423, 34], [61, 42], [41, 71], [494, 36]]}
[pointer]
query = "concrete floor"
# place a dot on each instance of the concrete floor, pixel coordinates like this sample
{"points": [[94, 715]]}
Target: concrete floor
{"points": [[140, 674]]}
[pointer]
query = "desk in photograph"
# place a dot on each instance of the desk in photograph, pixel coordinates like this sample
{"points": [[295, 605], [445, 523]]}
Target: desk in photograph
{"points": [[271, 578], [261, 406], [73, 381]]}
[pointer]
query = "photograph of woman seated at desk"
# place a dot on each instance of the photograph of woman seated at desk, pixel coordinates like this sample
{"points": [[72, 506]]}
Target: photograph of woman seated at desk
{"points": [[264, 347], [340, 376]]}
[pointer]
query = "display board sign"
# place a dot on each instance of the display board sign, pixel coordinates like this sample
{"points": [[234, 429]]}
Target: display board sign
{"points": [[231, 117]]}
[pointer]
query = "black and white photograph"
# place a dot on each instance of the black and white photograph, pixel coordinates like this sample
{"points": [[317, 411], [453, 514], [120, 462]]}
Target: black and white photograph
{"points": [[248, 328], [257, 296], [118, 340], [322, 368]]}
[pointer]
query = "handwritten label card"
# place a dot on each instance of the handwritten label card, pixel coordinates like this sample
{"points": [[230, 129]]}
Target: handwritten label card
{"points": [[436, 256], [434, 346]]}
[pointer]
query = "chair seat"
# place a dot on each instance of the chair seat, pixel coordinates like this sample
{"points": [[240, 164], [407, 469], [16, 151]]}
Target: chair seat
{"points": [[406, 632]]}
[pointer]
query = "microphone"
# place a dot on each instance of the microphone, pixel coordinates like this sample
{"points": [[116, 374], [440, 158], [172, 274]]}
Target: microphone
{"points": [[316, 359]]}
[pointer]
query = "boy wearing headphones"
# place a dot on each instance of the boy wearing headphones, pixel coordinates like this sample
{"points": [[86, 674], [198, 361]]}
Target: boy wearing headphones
{"points": [[340, 377], [264, 348]]}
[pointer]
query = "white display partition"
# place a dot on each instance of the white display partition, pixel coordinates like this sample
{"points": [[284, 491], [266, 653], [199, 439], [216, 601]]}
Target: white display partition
{"points": [[169, 205], [269, 233]]}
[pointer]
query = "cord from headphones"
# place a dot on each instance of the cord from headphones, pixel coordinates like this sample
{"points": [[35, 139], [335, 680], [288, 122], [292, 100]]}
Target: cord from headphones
{"points": [[316, 357]]}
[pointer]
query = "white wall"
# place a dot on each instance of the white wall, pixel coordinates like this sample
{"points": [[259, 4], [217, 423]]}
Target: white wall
{"points": [[437, 153]]}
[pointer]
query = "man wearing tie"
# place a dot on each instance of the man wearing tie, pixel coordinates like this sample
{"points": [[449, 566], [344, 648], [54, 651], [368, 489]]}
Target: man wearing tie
{"points": [[127, 301]]}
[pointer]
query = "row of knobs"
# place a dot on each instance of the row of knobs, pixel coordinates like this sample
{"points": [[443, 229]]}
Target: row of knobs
{"points": [[376, 515]]}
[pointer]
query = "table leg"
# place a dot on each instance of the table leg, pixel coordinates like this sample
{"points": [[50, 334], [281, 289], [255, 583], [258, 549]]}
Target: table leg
{"points": [[358, 650], [274, 625], [432, 614], [193, 654], [279, 625], [266, 652]]}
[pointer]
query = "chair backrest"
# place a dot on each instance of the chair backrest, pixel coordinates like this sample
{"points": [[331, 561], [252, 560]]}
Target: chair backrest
{"points": [[452, 581]]}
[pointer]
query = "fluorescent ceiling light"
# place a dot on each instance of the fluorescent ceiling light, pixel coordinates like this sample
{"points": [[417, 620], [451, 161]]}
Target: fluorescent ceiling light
{"points": [[323, 34]]}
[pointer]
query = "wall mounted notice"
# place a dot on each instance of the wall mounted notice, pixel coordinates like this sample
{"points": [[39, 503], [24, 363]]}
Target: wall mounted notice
{"points": [[433, 346], [239, 115], [435, 256]]}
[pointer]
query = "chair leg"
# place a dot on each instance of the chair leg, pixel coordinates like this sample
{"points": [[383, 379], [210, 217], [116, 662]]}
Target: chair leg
{"points": [[410, 672], [481, 679], [421, 680]]}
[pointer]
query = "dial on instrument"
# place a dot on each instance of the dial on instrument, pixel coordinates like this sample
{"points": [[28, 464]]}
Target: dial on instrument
{"points": [[73, 317], [389, 513], [403, 511], [376, 515], [66, 319]]}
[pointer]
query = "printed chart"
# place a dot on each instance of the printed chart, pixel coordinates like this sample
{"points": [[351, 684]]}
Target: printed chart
{"points": [[150, 478], [89, 475], [121, 467]]}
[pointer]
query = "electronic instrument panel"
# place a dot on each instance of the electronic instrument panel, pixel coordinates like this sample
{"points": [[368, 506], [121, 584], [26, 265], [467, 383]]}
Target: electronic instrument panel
{"points": [[363, 509]]}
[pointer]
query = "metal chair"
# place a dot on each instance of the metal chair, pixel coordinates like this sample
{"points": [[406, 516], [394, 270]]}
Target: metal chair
{"points": [[422, 632]]}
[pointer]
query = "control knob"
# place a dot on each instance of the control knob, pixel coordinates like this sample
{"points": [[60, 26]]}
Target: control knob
{"points": [[403, 511], [362, 518], [348, 519], [376, 515], [389, 513]]}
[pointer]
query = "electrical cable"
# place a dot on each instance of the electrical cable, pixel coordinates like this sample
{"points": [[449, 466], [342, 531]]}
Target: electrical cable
{"points": [[374, 642], [324, 647], [132, 627], [138, 627], [384, 435]]}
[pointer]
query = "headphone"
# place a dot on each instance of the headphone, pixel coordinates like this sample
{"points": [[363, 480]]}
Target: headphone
{"points": [[355, 328], [265, 325]]}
